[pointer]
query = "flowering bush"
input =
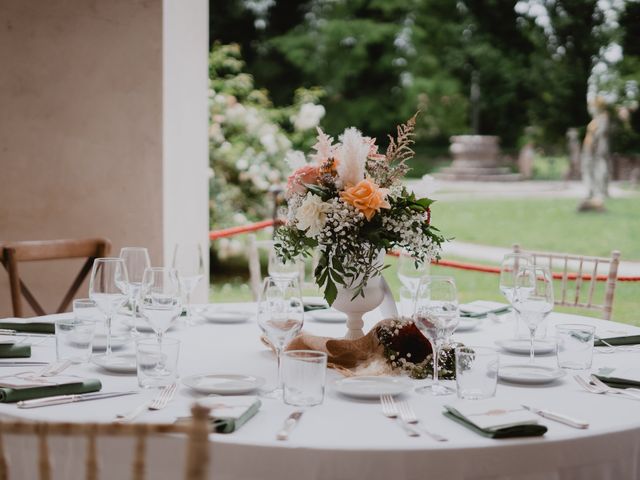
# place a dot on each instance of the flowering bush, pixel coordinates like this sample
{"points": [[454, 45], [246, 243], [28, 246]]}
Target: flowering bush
{"points": [[350, 204], [249, 140]]}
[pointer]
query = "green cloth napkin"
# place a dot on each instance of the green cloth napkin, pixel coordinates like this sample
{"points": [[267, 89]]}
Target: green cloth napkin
{"points": [[30, 327], [12, 395], [311, 308], [227, 425], [496, 311], [10, 350], [615, 382], [617, 341], [507, 432]]}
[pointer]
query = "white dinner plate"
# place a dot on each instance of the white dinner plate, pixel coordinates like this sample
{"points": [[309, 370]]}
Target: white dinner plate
{"points": [[467, 323], [225, 317], [372, 387], [529, 374], [522, 346], [120, 363], [225, 384], [143, 326], [117, 341], [327, 316]]}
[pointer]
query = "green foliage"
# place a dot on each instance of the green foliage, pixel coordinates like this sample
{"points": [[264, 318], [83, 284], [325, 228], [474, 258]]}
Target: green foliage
{"points": [[249, 139], [381, 60]]}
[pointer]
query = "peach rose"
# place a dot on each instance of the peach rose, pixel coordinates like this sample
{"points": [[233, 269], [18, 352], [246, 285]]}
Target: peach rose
{"points": [[307, 174], [367, 197]]}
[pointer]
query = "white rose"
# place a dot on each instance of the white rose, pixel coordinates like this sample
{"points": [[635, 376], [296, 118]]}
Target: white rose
{"points": [[312, 215]]}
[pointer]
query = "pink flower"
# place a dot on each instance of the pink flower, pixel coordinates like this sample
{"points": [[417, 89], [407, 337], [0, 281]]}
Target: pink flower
{"points": [[297, 180]]}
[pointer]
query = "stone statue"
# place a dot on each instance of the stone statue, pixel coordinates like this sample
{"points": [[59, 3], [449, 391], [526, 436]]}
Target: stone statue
{"points": [[595, 158]]}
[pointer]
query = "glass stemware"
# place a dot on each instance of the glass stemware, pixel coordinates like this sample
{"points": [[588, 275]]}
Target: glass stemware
{"points": [[436, 316], [136, 260], [509, 267], [108, 288], [280, 317], [160, 299], [189, 262], [282, 271], [533, 298], [411, 271]]}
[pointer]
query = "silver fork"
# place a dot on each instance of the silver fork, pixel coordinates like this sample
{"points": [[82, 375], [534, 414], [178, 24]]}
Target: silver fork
{"points": [[166, 395], [390, 410], [408, 415], [54, 368], [158, 402], [599, 383], [595, 389]]}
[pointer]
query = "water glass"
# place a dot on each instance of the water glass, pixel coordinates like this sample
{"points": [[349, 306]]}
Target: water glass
{"points": [[476, 372], [303, 377], [157, 363], [74, 339], [574, 346]]}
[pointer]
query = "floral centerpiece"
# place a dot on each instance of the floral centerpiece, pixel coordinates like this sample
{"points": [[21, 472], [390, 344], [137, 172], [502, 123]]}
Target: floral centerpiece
{"points": [[347, 200]]}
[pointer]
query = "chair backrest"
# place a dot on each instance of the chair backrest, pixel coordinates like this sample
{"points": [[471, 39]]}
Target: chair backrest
{"points": [[197, 431], [584, 271], [15, 252], [255, 270]]}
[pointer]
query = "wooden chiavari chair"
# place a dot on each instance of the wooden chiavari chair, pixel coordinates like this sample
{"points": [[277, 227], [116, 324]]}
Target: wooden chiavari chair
{"points": [[583, 270], [13, 253], [197, 445]]}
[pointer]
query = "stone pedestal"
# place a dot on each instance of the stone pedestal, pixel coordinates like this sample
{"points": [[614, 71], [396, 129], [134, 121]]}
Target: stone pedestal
{"points": [[476, 157]]}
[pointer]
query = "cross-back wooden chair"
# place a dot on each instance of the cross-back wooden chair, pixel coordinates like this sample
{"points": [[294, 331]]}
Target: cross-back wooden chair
{"points": [[255, 270], [197, 431], [15, 252], [583, 270]]}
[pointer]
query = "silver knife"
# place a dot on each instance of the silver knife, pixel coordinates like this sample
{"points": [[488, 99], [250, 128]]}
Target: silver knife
{"points": [[558, 417], [288, 425], [61, 399], [17, 333]]}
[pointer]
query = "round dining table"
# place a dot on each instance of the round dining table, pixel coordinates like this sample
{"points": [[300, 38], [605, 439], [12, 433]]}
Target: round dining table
{"points": [[348, 438]]}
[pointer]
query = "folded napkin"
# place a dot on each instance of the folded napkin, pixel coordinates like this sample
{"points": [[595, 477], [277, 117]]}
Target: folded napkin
{"points": [[29, 327], [482, 308], [11, 350], [17, 393], [495, 419], [228, 414], [626, 377], [618, 341], [311, 308]]}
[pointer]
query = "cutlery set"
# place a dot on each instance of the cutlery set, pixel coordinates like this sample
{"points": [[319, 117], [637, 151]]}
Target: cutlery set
{"points": [[409, 421], [595, 385], [157, 403]]}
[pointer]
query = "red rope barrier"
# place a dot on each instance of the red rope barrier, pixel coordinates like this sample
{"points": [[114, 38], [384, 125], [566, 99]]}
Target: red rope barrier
{"points": [[254, 227]]}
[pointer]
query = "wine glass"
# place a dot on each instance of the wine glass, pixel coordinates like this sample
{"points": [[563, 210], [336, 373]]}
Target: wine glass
{"points": [[282, 271], [280, 317], [508, 272], [108, 288], [160, 299], [411, 271], [533, 298], [436, 316], [136, 260], [188, 261]]}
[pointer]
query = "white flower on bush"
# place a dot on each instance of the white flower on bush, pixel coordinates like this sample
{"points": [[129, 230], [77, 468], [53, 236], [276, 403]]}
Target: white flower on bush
{"points": [[295, 159], [308, 117], [312, 215], [352, 155]]}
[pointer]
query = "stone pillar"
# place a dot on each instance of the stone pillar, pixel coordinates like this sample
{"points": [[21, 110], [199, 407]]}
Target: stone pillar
{"points": [[103, 128]]}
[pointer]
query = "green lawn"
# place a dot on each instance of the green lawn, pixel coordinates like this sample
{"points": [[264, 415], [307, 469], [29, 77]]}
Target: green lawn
{"points": [[543, 224]]}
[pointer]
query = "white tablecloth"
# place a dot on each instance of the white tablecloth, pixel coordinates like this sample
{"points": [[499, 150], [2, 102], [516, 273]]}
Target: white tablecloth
{"points": [[345, 438]]}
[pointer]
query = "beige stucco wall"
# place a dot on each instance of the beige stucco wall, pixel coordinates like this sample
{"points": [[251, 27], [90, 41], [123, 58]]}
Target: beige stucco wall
{"points": [[81, 128]]}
